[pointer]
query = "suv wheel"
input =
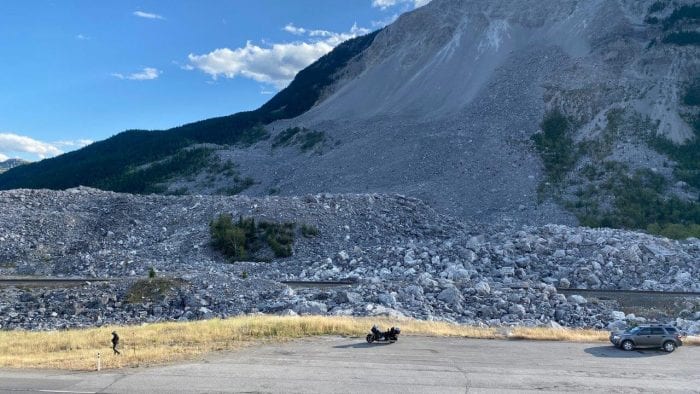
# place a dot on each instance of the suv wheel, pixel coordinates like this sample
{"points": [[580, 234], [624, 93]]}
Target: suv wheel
{"points": [[628, 345], [669, 346]]}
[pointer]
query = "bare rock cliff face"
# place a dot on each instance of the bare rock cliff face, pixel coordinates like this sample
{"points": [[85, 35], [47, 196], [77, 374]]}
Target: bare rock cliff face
{"points": [[443, 104], [441, 58]]}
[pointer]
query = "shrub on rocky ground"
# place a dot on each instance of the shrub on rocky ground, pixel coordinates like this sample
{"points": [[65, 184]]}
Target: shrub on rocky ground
{"points": [[637, 202], [229, 238], [610, 193], [305, 138], [657, 6], [252, 135], [691, 97], [284, 138], [555, 145], [247, 239], [239, 185], [279, 237], [311, 139], [681, 14], [152, 289], [683, 38], [308, 230]]}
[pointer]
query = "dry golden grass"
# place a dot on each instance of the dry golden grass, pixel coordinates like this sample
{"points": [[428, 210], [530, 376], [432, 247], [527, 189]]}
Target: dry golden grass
{"points": [[167, 342], [554, 334]]}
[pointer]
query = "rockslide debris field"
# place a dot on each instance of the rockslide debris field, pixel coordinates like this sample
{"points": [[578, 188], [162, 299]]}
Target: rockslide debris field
{"points": [[404, 258]]}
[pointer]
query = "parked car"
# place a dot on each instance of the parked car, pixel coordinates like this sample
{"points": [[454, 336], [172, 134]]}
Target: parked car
{"points": [[667, 338]]}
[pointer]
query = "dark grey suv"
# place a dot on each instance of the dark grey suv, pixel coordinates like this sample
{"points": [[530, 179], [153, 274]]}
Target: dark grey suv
{"points": [[649, 336]]}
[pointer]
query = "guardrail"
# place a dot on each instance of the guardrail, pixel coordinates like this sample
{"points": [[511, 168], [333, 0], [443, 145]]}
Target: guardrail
{"points": [[318, 282], [649, 292], [54, 282]]}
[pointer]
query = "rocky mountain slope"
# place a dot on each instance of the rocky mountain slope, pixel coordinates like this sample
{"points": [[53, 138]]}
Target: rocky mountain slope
{"points": [[444, 104], [404, 258], [11, 163], [531, 111]]}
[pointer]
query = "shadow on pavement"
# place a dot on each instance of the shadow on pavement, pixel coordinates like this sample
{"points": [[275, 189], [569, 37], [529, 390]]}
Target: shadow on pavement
{"points": [[362, 345], [613, 352]]}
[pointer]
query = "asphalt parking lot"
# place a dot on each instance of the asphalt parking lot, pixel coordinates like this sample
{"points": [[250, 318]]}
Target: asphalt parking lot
{"points": [[412, 365]]}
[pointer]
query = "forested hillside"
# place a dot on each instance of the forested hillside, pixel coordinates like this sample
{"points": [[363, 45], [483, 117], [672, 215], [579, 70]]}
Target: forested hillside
{"points": [[115, 163]]}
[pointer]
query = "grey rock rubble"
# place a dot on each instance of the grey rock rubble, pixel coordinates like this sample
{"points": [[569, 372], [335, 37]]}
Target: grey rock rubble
{"points": [[405, 260]]}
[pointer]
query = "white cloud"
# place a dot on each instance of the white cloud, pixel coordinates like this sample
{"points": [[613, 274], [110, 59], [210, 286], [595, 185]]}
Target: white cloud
{"points": [[181, 66], [322, 33], [146, 74], [290, 28], [82, 37], [147, 15], [13, 144], [386, 21], [300, 31], [384, 4], [274, 64], [72, 144]]}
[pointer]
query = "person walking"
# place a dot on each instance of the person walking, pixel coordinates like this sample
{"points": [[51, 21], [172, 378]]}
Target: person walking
{"points": [[115, 342]]}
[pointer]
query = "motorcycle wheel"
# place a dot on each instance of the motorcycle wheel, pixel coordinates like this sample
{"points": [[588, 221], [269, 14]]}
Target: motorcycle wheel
{"points": [[370, 338]]}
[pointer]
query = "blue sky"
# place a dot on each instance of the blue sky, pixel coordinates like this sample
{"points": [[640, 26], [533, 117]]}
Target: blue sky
{"points": [[81, 71]]}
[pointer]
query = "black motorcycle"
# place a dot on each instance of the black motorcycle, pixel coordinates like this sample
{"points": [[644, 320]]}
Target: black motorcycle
{"points": [[376, 334]]}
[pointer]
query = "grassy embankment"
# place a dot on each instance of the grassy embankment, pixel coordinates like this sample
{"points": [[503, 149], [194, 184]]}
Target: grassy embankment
{"points": [[168, 342]]}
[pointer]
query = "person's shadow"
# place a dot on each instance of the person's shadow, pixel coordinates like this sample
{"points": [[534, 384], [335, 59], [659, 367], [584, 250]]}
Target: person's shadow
{"points": [[610, 351]]}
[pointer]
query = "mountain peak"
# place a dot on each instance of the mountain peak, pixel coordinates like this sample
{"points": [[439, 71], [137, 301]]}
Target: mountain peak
{"points": [[11, 163]]}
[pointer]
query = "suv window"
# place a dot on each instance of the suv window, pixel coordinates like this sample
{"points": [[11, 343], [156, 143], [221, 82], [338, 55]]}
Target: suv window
{"points": [[671, 330], [657, 331], [644, 331]]}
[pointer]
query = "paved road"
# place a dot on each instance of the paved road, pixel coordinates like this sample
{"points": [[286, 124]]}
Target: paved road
{"points": [[412, 365]]}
